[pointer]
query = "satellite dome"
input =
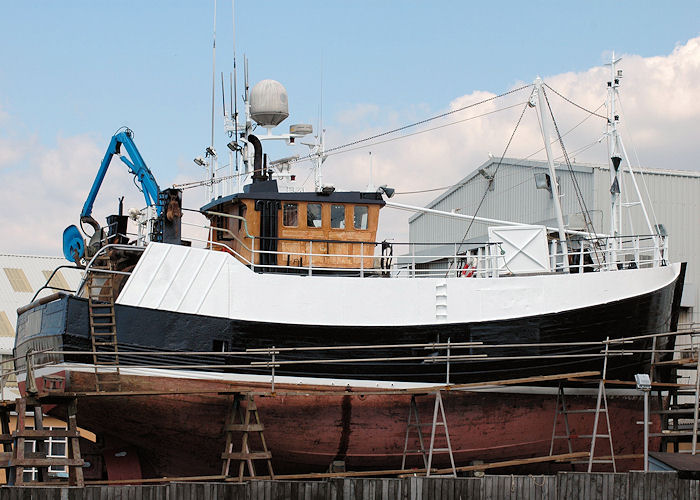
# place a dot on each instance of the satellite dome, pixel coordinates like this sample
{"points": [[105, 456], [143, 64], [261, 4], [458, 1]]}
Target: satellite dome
{"points": [[268, 103]]}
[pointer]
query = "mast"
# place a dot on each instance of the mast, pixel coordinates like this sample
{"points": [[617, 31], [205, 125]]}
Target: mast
{"points": [[617, 150], [544, 128], [615, 159]]}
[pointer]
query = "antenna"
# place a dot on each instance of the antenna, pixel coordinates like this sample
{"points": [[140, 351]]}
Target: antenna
{"points": [[370, 183], [213, 79], [234, 91], [223, 95]]}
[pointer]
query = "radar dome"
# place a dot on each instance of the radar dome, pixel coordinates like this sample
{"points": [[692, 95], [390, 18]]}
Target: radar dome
{"points": [[268, 103]]}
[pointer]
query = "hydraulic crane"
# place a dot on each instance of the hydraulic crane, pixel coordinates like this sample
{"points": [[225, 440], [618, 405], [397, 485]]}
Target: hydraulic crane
{"points": [[73, 243]]}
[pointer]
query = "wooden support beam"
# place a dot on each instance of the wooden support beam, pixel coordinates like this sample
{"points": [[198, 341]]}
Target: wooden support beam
{"points": [[579, 376]]}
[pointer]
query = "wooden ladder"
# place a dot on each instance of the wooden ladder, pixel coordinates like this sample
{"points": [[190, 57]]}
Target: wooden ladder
{"points": [[103, 325], [244, 421], [18, 459]]}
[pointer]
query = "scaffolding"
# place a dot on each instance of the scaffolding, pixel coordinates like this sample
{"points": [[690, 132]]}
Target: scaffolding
{"points": [[243, 419]]}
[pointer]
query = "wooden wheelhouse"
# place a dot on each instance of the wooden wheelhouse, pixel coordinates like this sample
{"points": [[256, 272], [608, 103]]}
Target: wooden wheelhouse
{"points": [[293, 232]]}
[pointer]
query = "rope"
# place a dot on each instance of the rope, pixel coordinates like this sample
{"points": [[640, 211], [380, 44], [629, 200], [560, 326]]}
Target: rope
{"points": [[415, 124], [512, 135], [577, 105], [577, 188]]}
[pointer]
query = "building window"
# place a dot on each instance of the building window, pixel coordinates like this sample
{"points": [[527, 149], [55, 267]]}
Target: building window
{"points": [[338, 216], [18, 280], [360, 216], [56, 447], [57, 281], [313, 215], [290, 216], [6, 328]]}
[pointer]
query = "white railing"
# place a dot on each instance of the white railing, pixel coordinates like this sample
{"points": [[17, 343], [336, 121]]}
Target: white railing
{"points": [[610, 254]]}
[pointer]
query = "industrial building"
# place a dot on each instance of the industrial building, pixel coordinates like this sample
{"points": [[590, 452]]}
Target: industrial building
{"points": [[20, 279], [517, 190]]}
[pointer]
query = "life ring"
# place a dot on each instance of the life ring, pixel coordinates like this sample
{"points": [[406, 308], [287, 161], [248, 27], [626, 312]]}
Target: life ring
{"points": [[467, 270]]}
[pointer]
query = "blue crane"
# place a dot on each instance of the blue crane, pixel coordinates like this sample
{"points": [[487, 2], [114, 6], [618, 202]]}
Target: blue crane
{"points": [[73, 243]]}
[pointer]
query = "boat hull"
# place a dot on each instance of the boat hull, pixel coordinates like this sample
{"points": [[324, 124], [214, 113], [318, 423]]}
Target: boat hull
{"points": [[64, 325], [307, 427]]}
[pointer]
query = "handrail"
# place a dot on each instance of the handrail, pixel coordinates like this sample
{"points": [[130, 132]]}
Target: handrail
{"points": [[46, 285], [103, 249]]}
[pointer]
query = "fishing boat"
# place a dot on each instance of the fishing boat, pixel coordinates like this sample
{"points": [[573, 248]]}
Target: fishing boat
{"points": [[291, 295]]}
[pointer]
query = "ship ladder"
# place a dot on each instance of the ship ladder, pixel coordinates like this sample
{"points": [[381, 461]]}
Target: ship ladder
{"points": [[20, 460], [244, 421], [439, 420], [103, 326]]}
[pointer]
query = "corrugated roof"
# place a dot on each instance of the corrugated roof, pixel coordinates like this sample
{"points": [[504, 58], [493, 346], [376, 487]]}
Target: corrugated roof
{"points": [[23, 275]]}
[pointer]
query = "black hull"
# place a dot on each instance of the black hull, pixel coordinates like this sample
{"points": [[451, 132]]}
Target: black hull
{"points": [[141, 329]]}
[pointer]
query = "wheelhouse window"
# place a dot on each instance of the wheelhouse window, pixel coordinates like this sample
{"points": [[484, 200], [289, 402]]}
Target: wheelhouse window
{"points": [[290, 217], [361, 216], [338, 216], [313, 215]]}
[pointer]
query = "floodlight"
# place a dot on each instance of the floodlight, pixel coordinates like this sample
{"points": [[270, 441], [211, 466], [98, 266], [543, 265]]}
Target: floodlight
{"points": [[643, 381], [389, 192], [200, 161]]}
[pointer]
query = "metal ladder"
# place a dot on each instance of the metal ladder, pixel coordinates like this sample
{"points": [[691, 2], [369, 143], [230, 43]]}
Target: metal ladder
{"points": [[439, 420], [601, 407], [103, 326]]}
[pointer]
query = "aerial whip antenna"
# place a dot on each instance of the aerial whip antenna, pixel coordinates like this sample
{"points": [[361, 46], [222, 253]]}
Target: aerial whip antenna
{"points": [[213, 79]]}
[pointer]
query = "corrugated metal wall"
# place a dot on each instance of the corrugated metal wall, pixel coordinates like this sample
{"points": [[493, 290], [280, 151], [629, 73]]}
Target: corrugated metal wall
{"points": [[514, 198], [675, 196]]}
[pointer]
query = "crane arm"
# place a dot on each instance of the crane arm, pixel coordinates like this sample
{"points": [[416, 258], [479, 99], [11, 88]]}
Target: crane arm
{"points": [[136, 165]]}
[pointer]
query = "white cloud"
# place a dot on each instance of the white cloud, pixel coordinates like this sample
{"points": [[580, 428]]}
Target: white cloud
{"points": [[44, 191], [661, 113]]}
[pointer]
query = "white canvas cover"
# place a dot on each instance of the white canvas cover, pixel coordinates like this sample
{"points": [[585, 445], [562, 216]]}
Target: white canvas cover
{"points": [[525, 248]]}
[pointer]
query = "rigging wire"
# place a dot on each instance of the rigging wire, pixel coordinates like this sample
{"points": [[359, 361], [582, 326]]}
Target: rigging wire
{"points": [[424, 130], [493, 176], [593, 113], [206, 182], [415, 124], [577, 188], [580, 150], [636, 157]]}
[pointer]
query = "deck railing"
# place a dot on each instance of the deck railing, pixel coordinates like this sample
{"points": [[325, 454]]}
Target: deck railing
{"points": [[447, 260]]}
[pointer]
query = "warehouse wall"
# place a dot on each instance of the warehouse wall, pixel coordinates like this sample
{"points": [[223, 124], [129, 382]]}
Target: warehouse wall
{"points": [[675, 199]]}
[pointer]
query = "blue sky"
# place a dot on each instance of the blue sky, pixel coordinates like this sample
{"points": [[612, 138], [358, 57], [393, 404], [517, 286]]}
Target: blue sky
{"points": [[85, 68]]}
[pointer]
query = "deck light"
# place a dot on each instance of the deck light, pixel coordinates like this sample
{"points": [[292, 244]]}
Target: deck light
{"points": [[200, 161]]}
